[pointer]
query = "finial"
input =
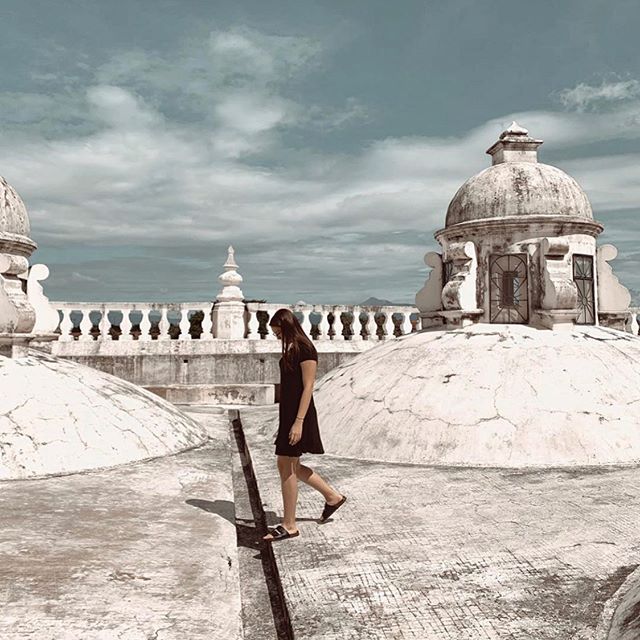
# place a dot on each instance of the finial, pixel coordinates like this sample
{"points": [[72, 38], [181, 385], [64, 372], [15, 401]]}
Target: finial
{"points": [[230, 263], [230, 280], [514, 129]]}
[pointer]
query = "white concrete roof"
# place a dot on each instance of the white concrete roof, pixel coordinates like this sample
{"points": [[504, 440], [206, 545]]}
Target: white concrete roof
{"points": [[488, 395], [57, 416]]}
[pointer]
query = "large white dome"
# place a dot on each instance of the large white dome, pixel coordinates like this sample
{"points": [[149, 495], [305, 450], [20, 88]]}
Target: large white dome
{"points": [[488, 395], [57, 416]]}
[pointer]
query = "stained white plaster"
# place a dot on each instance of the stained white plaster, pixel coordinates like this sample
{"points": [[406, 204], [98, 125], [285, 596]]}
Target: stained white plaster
{"points": [[488, 395], [47, 318], [612, 296], [57, 416]]}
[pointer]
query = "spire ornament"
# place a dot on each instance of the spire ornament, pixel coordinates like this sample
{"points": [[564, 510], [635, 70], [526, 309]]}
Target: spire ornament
{"points": [[230, 280]]}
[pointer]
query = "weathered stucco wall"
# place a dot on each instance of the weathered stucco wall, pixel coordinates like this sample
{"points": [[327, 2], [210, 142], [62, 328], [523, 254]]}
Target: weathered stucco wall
{"points": [[223, 362]]}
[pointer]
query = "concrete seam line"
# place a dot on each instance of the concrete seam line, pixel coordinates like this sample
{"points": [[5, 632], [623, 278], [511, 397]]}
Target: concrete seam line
{"points": [[277, 598]]}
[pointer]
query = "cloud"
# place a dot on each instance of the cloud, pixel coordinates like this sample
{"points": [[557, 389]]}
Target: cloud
{"points": [[181, 155], [82, 277], [583, 96]]}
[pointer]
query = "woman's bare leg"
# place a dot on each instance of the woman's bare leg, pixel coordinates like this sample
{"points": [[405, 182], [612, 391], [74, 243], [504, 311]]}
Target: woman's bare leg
{"points": [[289, 484], [289, 481], [310, 477]]}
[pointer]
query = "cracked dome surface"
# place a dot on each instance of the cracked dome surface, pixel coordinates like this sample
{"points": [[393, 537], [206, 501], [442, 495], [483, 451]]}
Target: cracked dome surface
{"points": [[518, 189], [488, 395], [57, 416], [13, 213]]}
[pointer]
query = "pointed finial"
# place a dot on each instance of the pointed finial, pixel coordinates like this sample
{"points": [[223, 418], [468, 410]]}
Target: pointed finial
{"points": [[230, 280], [230, 263]]}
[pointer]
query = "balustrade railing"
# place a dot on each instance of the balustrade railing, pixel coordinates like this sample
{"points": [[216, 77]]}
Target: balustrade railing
{"points": [[145, 321], [86, 321]]}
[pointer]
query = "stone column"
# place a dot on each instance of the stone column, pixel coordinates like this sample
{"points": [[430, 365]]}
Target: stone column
{"points": [[228, 308]]}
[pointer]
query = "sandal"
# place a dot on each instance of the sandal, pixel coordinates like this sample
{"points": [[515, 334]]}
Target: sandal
{"points": [[279, 533], [331, 508]]}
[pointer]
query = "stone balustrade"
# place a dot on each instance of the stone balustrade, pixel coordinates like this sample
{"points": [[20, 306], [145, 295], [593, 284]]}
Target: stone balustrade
{"points": [[146, 321]]}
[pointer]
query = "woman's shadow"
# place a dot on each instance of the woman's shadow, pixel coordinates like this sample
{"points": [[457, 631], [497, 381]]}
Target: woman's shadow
{"points": [[249, 535]]}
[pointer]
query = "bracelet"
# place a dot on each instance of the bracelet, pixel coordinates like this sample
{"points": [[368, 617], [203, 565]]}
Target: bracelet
{"points": [[298, 418]]}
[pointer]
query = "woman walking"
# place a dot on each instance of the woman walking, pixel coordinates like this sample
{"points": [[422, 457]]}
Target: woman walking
{"points": [[298, 431]]}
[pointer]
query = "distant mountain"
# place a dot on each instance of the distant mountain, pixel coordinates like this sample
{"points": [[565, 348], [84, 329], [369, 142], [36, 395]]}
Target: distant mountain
{"points": [[381, 302]]}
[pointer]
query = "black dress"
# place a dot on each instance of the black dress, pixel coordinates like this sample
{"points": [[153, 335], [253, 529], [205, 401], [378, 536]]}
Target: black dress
{"points": [[290, 394]]}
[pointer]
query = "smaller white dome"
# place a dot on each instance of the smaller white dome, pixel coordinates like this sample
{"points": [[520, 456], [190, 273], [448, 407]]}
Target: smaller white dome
{"points": [[58, 417], [517, 185], [515, 189], [13, 213]]}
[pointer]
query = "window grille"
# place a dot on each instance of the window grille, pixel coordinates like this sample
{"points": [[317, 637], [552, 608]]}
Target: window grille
{"points": [[583, 277], [508, 289]]}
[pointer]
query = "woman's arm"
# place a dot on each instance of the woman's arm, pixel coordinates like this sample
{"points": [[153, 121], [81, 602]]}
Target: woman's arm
{"points": [[309, 368]]}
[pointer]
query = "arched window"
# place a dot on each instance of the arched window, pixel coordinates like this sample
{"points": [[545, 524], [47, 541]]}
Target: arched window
{"points": [[508, 289]]}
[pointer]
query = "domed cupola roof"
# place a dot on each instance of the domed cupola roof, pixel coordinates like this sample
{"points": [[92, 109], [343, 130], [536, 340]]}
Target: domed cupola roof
{"points": [[13, 213], [518, 185]]}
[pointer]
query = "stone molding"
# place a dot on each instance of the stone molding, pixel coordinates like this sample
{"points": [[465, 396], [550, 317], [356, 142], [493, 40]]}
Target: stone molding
{"points": [[545, 225]]}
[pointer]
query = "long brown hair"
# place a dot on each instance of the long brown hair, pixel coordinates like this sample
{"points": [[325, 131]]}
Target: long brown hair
{"points": [[292, 335]]}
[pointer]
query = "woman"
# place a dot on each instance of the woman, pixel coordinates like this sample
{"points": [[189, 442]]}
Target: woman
{"points": [[298, 423]]}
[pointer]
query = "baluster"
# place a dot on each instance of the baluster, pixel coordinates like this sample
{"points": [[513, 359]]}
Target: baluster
{"points": [[338, 326], [254, 325], [145, 325], [389, 327], [324, 325], [65, 326], [163, 325], [370, 326], [406, 323], [86, 325], [270, 334], [184, 325], [125, 326], [207, 325], [306, 321], [356, 326], [104, 325], [634, 323]]}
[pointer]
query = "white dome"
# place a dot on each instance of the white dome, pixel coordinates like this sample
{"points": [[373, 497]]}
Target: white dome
{"points": [[488, 395], [57, 416], [13, 213], [514, 189]]}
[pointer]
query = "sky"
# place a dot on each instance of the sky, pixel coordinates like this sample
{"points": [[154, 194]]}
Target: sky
{"points": [[322, 139]]}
